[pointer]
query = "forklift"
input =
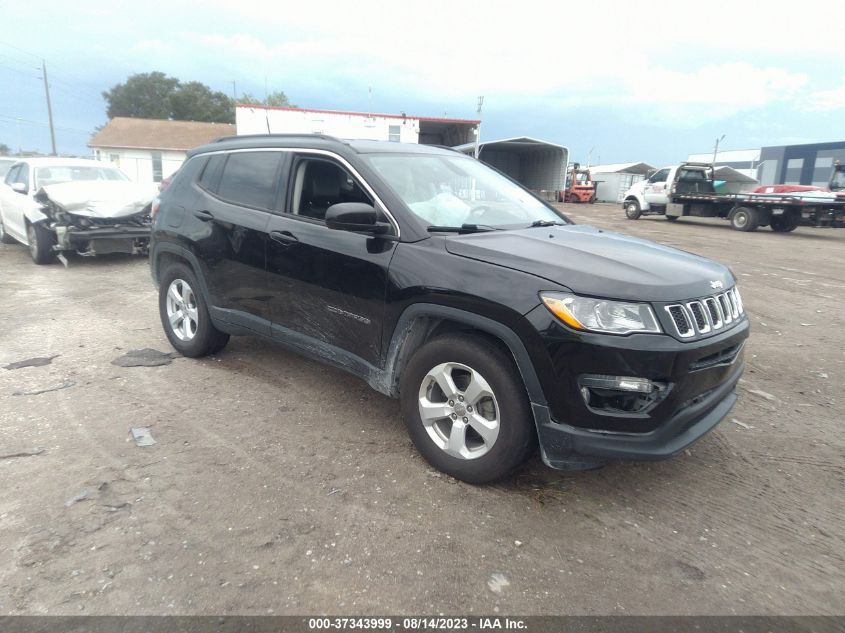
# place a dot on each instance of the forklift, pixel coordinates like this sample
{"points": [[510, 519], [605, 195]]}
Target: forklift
{"points": [[579, 186]]}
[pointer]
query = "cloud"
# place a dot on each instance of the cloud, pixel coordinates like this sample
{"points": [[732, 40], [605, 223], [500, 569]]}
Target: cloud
{"points": [[826, 100]]}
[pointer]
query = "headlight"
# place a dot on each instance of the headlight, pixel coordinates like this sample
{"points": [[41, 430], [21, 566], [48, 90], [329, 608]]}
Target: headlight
{"points": [[601, 315]]}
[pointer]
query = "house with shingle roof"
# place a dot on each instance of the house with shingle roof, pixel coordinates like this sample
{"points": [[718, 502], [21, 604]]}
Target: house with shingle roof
{"points": [[148, 150]]}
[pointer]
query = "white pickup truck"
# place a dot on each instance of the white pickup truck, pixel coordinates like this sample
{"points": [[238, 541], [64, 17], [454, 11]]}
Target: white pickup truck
{"points": [[688, 189]]}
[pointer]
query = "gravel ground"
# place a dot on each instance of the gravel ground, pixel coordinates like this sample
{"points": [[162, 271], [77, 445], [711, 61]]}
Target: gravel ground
{"points": [[277, 485]]}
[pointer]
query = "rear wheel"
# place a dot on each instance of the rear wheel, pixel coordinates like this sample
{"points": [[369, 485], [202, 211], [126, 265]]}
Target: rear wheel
{"points": [[783, 224], [466, 408], [744, 219], [40, 243], [632, 210], [5, 238], [184, 314]]}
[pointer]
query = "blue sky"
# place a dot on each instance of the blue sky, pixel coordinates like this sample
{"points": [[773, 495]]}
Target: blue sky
{"points": [[615, 81]]}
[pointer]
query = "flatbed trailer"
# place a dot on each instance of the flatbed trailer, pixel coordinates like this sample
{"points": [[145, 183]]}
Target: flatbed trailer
{"points": [[748, 211], [689, 190]]}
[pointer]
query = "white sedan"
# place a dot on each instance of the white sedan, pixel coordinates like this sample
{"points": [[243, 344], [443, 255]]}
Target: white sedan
{"points": [[53, 205]]}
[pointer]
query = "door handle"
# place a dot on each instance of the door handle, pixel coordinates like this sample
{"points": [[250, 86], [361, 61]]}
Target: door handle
{"points": [[205, 216], [285, 238]]}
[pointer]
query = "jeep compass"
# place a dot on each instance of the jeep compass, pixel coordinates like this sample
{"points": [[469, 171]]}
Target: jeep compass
{"points": [[498, 322]]}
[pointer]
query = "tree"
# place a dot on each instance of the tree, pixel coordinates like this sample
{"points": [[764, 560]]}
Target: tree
{"points": [[278, 98], [156, 96], [145, 95], [4, 150], [194, 101]]}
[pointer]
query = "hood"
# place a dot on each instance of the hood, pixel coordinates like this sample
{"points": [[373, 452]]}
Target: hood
{"points": [[98, 198], [595, 262], [637, 187]]}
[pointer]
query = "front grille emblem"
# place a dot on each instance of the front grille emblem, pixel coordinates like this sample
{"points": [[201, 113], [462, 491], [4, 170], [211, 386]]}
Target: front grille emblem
{"points": [[716, 284]]}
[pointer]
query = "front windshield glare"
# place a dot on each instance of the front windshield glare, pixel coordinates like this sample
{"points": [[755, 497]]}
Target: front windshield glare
{"points": [[456, 190]]}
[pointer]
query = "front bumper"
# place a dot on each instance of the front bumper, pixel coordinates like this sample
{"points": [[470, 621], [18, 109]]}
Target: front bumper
{"points": [[567, 447], [103, 239], [699, 377]]}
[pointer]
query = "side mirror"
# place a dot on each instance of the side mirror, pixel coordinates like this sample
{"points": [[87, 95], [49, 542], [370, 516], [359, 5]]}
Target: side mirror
{"points": [[357, 217], [18, 187]]}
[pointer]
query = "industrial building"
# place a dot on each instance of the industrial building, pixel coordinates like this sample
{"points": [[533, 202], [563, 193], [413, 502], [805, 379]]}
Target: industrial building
{"points": [[807, 164], [612, 181], [401, 128], [537, 165]]}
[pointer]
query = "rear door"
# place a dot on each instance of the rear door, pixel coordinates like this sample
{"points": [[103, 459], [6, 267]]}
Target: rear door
{"points": [[324, 284], [230, 224]]}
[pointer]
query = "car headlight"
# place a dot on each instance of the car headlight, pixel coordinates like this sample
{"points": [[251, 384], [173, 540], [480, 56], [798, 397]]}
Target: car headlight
{"points": [[601, 315]]}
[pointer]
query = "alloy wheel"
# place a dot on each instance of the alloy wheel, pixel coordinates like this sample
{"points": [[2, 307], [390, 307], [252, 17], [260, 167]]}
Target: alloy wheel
{"points": [[182, 312], [459, 410]]}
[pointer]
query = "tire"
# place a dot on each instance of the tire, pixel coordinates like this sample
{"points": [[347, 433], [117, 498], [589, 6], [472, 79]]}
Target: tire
{"points": [[672, 218], [573, 199], [632, 210], [559, 197], [744, 219], [783, 224], [189, 329], [40, 243], [5, 238], [500, 408]]}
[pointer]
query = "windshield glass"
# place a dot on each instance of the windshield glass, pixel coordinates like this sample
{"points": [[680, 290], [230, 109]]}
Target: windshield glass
{"points": [[55, 174], [837, 183], [456, 190]]}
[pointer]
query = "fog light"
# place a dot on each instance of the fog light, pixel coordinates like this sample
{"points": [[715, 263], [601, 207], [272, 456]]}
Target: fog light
{"points": [[620, 394]]}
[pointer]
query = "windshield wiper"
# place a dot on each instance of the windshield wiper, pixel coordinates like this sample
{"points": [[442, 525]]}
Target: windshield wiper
{"points": [[546, 223], [463, 228]]}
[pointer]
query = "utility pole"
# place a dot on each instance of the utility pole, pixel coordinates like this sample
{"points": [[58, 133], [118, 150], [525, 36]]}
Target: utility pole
{"points": [[49, 107], [234, 90], [478, 129], [716, 148]]}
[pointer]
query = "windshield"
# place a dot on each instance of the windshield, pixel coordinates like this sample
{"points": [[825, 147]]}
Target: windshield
{"points": [[65, 173], [457, 190], [837, 183]]}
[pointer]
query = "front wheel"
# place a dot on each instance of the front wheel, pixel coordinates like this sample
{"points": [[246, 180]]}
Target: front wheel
{"points": [[40, 243], [184, 314], [744, 219], [573, 199], [632, 210], [466, 408]]}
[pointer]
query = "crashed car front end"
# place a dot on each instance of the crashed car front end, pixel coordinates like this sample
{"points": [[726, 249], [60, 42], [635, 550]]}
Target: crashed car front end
{"points": [[97, 217]]}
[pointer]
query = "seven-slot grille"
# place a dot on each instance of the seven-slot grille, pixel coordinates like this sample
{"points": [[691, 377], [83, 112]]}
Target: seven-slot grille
{"points": [[702, 316]]}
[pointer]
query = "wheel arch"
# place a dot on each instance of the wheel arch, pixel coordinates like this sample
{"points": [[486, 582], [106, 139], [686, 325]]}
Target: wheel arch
{"points": [[419, 323], [639, 199]]}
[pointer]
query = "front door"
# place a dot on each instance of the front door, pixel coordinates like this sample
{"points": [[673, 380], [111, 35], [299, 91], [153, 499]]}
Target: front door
{"points": [[655, 191], [326, 285]]}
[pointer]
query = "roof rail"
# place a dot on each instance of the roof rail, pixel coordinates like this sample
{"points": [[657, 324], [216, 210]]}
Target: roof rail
{"points": [[272, 136]]}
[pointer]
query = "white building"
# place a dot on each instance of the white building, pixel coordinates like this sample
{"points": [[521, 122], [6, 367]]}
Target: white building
{"points": [[745, 161], [614, 180], [402, 128], [148, 150]]}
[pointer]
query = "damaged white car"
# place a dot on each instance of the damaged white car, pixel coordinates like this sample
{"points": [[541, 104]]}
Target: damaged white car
{"points": [[56, 205]]}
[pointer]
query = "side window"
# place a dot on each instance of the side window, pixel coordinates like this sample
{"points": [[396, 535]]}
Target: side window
{"points": [[12, 176], [23, 176], [157, 171], [211, 174], [394, 133], [250, 179], [660, 176], [318, 184]]}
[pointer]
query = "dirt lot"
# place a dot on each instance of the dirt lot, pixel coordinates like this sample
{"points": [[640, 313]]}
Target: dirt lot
{"points": [[280, 486]]}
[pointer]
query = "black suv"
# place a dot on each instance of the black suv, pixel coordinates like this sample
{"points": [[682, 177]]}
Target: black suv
{"points": [[436, 279]]}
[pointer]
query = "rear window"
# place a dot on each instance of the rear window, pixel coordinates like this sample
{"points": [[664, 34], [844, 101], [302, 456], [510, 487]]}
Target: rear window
{"points": [[250, 179], [211, 173]]}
